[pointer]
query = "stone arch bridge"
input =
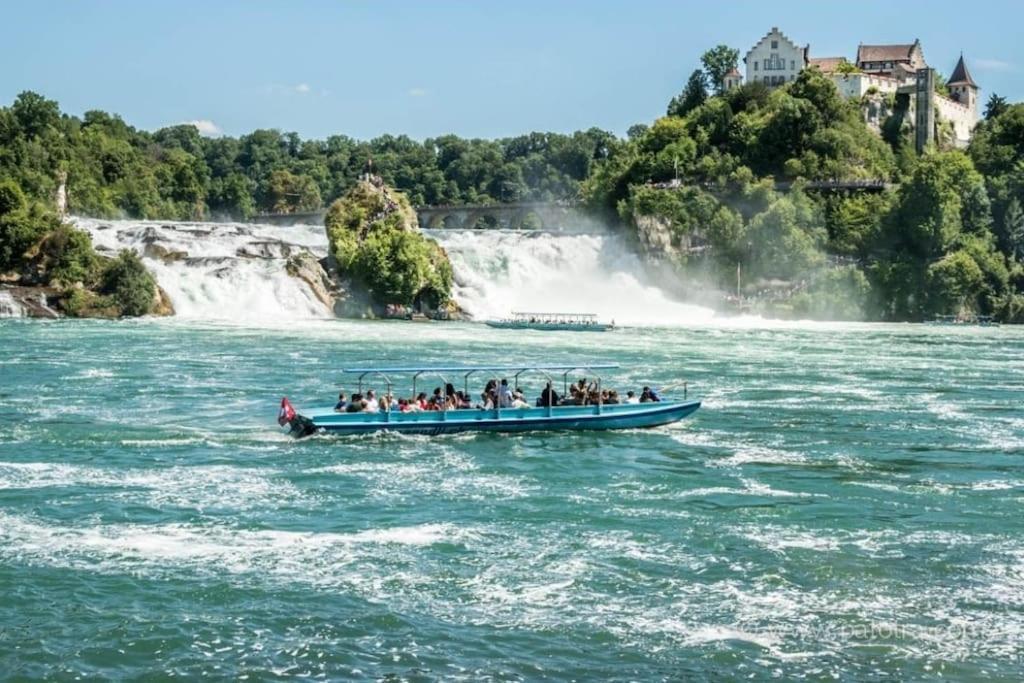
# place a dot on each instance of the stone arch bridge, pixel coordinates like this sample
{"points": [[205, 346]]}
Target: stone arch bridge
{"points": [[543, 216], [546, 216]]}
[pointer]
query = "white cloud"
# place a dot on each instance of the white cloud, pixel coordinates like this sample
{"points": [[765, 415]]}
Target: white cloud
{"points": [[206, 128], [297, 89], [417, 92], [992, 64]]}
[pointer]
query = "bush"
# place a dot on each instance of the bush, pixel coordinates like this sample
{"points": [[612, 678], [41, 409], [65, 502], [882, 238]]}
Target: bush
{"points": [[69, 256], [21, 225], [11, 197], [129, 284]]}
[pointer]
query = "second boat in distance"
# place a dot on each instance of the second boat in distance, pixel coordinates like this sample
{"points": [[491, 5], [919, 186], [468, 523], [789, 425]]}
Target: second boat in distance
{"points": [[558, 322]]}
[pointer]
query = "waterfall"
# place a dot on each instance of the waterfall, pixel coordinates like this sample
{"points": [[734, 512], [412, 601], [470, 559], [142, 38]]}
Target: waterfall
{"points": [[498, 272], [220, 270], [237, 271], [9, 307]]}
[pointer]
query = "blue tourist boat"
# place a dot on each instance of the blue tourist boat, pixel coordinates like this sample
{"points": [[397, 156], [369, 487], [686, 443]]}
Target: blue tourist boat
{"points": [[964, 320], [553, 322], [598, 415]]}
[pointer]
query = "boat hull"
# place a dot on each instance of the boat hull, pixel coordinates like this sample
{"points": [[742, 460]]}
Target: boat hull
{"points": [[547, 327], [561, 418]]}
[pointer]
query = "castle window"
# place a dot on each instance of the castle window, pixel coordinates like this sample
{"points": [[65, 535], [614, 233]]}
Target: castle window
{"points": [[755, 66], [766, 81], [792, 65], [775, 45]]}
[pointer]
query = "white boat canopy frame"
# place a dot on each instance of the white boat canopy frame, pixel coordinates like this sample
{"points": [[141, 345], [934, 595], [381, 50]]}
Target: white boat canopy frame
{"points": [[467, 371]]}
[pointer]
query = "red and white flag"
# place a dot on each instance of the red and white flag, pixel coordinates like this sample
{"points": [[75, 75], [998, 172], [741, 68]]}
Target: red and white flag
{"points": [[286, 414]]}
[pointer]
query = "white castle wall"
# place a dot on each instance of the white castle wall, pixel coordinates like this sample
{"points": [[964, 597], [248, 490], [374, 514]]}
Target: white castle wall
{"points": [[857, 85], [963, 118]]}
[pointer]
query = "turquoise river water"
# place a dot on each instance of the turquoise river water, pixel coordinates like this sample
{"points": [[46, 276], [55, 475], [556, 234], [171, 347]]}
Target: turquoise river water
{"points": [[846, 505]]}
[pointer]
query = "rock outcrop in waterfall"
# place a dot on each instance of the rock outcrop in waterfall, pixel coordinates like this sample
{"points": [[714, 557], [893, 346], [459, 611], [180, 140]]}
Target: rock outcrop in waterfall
{"points": [[378, 256]]}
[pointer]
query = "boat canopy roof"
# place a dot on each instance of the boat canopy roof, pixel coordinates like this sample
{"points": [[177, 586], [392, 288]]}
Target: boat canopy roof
{"points": [[521, 314], [481, 368]]}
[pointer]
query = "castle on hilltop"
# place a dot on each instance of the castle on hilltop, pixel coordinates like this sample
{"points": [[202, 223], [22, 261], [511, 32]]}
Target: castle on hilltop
{"points": [[877, 72]]}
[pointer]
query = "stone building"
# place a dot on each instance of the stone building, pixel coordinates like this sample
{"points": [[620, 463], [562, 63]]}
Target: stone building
{"points": [[733, 79], [877, 75], [775, 59], [894, 61]]}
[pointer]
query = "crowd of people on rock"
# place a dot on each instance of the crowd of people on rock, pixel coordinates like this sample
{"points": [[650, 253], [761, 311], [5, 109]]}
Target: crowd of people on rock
{"points": [[495, 393]]}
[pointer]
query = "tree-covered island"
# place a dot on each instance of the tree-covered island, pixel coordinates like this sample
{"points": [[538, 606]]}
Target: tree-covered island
{"points": [[787, 188]]}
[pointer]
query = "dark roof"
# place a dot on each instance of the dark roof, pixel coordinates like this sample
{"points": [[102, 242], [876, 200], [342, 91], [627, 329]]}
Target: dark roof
{"points": [[961, 75], [884, 53], [733, 72]]}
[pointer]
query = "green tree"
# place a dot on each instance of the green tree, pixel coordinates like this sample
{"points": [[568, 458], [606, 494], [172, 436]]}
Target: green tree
{"points": [[1013, 220], [35, 114], [995, 106], [718, 61], [931, 213], [289, 193], [12, 199], [786, 240], [693, 95], [954, 281]]}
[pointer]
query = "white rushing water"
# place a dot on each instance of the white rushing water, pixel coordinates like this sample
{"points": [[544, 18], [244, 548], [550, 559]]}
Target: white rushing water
{"points": [[497, 272], [237, 271], [221, 271], [9, 308]]}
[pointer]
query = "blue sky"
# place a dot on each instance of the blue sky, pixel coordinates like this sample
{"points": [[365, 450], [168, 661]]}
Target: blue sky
{"points": [[477, 69]]}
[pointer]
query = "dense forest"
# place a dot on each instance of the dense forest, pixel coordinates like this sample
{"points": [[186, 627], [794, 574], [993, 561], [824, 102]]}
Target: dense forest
{"points": [[725, 178], [947, 237], [114, 169]]}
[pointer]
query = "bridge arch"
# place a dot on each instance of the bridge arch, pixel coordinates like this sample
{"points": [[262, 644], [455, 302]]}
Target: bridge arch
{"points": [[530, 219], [483, 221]]}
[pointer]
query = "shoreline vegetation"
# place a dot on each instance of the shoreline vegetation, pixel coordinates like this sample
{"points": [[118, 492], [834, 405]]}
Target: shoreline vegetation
{"points": [[779, 201]]}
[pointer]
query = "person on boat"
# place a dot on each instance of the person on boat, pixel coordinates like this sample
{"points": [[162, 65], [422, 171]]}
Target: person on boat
{"points": [[648, 395], [422, 402], [548, 397], [342, 404], [372, 404], [504, 395], [357, 405], [519, 402], [437, 400], [631, 397]]}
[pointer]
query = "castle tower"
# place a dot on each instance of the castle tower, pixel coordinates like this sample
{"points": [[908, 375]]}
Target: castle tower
{"points": [[962, 87], [924, 125], [733, 79]]}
